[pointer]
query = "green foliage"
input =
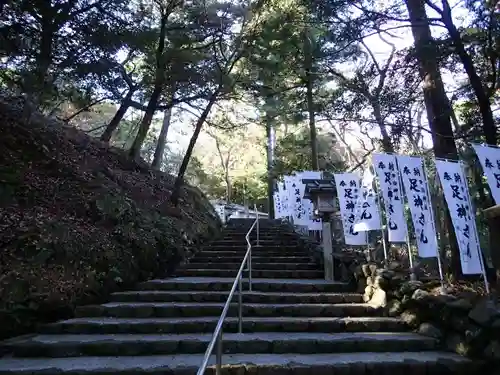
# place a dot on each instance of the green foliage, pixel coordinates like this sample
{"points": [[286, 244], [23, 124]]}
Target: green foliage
{"points": [[210, 184], [40, 42], [293, 153], [248, 190]]}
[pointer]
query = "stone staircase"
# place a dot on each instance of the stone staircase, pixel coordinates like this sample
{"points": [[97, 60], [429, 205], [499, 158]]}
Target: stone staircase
{"points": [[294, 322]]}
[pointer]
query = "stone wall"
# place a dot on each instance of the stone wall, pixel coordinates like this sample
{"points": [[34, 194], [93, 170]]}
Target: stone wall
{"points": [[465, 323]]}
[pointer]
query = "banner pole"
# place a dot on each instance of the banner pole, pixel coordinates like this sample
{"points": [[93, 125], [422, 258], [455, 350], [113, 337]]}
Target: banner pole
{"points": [[413, 275], [476, 237], [433, 222]]}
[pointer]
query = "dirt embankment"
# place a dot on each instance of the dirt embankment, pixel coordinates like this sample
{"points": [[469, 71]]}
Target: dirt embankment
{"points": [[79, 220]]}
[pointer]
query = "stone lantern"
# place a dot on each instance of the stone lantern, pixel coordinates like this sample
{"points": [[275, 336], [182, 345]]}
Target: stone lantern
{"points": [[322, 193]]}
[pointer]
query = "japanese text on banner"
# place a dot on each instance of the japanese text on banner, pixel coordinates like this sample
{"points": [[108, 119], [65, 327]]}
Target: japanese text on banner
{"points": [[303, 209], [288, 195], [298, 214], [390, 188], [454, 187], [348, 190], [489, 157], [417, 193], [277, 204], [367, 212]]}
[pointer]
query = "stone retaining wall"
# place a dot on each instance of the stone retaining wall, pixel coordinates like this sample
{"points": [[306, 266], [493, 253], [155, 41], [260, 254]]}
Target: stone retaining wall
{"points": [[466, 324]]}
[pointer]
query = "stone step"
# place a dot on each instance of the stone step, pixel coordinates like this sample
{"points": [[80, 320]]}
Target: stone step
{"points": [[279, 251], [364, 363], [207, 324], [255, 266], [262, 230], [264, 251], [261, 285], [209, 258], [270, 238], [253, 241], [262, 227], [248, 297], [262, 234], [257, 252], [262, 247], [244, 245], [253, 237], [184, 309], [272, 274], [267, 254], [247, 343]]}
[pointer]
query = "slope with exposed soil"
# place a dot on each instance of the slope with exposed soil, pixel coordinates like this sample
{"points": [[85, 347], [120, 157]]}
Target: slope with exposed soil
{"points": [[79, 220]]}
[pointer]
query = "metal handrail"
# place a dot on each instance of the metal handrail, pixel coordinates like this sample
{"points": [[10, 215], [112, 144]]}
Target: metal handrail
{"points": [[217, 336]]}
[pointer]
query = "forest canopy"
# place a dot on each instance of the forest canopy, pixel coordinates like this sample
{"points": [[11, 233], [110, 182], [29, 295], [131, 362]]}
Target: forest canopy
{"points": [[268, 86]]}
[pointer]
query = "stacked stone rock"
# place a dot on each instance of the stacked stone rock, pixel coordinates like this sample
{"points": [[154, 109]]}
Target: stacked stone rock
{"points": [[468, 325]]}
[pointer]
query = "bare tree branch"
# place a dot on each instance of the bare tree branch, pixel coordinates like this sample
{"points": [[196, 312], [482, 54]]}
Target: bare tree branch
{"points": [[363, 160], [86, 108]]}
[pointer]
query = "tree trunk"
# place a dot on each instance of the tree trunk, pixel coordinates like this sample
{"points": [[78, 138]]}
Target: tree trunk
{"points": [[386, 139], [174, 198], [483, 200], [135, 150], [224, 162], [117, 118], [162, 140], [44, 58], [310, 100], [489, 128], [37, 88], [228, 187], [436, 103]]}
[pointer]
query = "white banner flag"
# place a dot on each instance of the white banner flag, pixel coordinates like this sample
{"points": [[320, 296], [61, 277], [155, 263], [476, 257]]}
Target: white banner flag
{"points": [[312, 223], [489, 157], [297, 193], [288, 196], [281, 193], [417, 193], [302, 206], [454, 187], [277, 205], [221, 211], [347, 191], [315, 223], [387, 171], [367, 212]]}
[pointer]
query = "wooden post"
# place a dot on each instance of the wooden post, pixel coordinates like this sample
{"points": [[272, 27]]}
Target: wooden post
{"points": [[492, 215]]}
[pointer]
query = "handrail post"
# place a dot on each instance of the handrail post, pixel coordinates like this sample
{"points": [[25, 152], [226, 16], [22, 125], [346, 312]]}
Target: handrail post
{"points": [[240, 308], [218, 355]]}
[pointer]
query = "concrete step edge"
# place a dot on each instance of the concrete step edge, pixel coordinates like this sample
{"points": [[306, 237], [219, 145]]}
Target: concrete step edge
{"points": [[241, 363], [66, 345]]}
